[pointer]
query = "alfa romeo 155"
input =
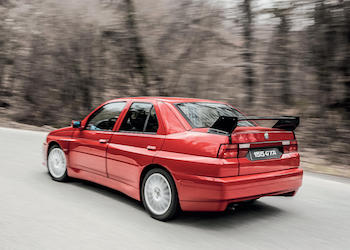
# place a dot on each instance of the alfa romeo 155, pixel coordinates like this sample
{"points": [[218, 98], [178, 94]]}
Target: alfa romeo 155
{"points": [[176, 154]]}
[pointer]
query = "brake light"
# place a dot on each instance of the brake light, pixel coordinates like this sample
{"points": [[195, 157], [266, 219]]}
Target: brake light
{"points": [[243, 152], [292, 147], [228, 151]]}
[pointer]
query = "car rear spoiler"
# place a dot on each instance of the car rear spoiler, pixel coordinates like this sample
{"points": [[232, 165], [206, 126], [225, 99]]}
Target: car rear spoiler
{"points": [[289, 123], [227, 124]]}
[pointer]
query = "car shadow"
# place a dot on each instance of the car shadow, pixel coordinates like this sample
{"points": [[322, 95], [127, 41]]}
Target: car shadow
{"points": [[106, 191], [239, 215]]}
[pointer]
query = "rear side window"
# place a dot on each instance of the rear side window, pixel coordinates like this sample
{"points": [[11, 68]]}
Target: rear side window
{"points": [[141, 117], [105, 117], [204, 115], [152, 124]]}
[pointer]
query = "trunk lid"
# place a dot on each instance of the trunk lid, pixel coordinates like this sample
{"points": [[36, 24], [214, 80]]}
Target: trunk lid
{"points": [[262, 150]]}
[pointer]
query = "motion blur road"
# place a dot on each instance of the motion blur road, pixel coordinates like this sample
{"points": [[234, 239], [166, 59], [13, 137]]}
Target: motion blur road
{"points": [[38, 213]]}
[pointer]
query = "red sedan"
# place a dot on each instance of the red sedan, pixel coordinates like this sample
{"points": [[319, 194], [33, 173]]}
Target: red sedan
{"points": [[178, 153]]}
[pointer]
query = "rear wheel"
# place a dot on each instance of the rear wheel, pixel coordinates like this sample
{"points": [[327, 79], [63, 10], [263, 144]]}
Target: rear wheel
{"points": [[57, 164], [159, 195]]}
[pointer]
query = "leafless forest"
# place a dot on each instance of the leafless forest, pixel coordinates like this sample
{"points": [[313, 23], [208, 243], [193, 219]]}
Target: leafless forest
{"points": [[61, 58]]}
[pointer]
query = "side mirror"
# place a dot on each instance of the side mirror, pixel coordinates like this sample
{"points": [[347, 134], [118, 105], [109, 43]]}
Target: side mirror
{"points": [[76, 124]]}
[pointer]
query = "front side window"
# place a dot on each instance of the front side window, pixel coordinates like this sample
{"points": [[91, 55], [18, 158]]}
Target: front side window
{"points": [[105, 117], [141, 117], [204, 115]]}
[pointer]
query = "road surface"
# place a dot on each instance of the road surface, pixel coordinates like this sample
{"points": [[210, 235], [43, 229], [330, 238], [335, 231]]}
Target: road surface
{"points": [[38, 213]]}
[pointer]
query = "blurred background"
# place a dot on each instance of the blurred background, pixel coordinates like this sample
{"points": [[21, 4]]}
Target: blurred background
{"points": [[59, 59]]}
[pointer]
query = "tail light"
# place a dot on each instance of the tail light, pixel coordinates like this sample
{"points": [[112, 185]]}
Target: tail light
{"points": [[243, 150], [228, 151], [240, 150], [290, 147]]}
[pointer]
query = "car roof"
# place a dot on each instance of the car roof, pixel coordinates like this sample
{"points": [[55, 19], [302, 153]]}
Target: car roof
{"points": [[165, 99]]}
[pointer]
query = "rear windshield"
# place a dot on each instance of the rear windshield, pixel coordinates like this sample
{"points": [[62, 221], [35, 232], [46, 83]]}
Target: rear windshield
{"points": [[204, 115]]}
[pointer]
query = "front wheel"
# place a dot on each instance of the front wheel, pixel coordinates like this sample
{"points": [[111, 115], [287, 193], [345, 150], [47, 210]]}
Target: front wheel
{"points": [[57, 164], [159, 195]]}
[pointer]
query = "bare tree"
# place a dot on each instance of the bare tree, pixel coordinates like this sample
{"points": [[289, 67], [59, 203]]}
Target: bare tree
{"points": [[4, 5], [345, 62], [248, 55], [135, 50], [277, 65], [323, 51]]}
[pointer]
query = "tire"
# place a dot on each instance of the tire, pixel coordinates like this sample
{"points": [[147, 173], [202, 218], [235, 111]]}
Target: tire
{"points": [[57, 164], [159, 195]]}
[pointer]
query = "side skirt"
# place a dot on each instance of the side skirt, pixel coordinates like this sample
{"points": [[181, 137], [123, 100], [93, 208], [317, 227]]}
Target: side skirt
{"points": [[104, 181]]}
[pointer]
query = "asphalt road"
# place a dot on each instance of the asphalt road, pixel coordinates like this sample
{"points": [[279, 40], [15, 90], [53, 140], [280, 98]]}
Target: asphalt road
{"points": [[38, 213]]}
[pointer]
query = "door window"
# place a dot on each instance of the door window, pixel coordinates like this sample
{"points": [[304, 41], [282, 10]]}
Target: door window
{"points": [[141, 117], [105, 117]]}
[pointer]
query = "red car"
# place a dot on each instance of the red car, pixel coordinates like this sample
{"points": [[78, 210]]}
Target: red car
{"points": [[178, 154]]}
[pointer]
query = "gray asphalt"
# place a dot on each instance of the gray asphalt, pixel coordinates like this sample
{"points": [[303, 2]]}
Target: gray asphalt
{"points": [[38, 213]]}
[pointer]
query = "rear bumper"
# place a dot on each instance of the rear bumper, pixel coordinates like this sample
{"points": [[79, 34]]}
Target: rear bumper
{"points": [[199, 193]]}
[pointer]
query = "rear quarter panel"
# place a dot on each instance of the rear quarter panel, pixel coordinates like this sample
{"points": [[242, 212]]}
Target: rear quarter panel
{"points": [[195, 153]]}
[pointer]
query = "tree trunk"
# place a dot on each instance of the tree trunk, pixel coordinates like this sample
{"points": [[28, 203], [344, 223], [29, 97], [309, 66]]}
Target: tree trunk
{"points": [[249, 78], [139, 60], [283, 33]]}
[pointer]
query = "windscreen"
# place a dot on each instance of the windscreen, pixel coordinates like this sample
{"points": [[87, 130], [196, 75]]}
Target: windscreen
{"points": [[204, 115]]}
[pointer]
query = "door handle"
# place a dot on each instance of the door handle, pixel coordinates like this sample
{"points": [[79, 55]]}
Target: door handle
{"points": [[153, 148], [103, 141]]}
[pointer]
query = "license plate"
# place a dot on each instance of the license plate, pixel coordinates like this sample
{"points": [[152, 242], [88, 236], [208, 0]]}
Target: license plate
{"points": [[264, 154]]}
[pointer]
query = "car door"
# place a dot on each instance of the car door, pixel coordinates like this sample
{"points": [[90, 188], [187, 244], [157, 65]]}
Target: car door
{"points": [[138, 139], [88, 149]]}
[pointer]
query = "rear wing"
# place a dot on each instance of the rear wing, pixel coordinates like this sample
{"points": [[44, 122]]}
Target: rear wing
{"points": [[227, 124], [289, 123]]}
